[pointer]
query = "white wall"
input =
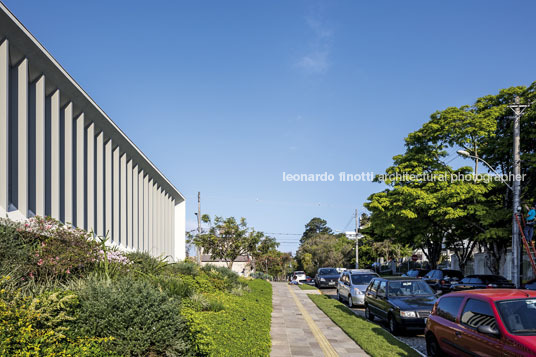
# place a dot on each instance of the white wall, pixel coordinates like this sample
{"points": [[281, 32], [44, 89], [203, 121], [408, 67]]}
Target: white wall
{"points": [[82, 169]]}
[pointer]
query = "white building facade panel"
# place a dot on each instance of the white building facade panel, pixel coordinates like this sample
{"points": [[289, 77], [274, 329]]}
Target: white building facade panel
{"points": [[61, 155]]}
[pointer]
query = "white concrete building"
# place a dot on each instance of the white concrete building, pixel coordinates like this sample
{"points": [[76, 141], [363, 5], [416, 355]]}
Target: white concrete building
{"points": [[62, 156]]}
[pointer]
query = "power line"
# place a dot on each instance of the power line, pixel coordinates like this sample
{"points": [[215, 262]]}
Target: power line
{"points": [[350, 221], [285, 234]]}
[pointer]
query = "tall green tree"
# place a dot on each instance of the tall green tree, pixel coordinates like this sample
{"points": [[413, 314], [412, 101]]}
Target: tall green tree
{"points": [[315, 226], [458, 214]]}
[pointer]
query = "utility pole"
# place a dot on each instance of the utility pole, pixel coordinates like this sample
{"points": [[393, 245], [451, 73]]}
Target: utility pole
{"points": [[356, 240], [198, 249], [518, 110]]}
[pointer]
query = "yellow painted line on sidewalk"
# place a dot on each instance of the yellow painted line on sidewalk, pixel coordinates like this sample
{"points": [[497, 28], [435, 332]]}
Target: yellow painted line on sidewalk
{"points": [[326, 347]]}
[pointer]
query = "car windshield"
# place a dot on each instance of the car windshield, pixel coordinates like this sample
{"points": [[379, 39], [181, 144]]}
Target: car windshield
{"points": [[362, 279], [409, 288], [519, 316], [328, 271], [299, 272]]}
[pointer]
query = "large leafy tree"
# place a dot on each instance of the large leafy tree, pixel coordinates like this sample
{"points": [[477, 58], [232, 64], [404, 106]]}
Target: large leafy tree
{"points": [[458, 214], [325, 250], [228, 239]]}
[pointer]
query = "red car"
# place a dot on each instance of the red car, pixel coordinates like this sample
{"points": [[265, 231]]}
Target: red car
{"points": [[487, 322]]}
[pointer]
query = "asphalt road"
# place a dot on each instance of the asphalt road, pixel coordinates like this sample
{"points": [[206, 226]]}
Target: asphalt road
{"points": [[415, 341]]}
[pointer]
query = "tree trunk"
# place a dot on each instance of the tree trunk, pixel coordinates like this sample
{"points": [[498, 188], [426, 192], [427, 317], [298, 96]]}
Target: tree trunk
{"points": [[433, 253], [230, 264], [497, 253]]}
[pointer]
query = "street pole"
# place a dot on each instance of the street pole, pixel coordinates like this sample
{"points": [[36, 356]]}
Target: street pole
{"points": [[356, 240], [518, 110], [198, 250]]}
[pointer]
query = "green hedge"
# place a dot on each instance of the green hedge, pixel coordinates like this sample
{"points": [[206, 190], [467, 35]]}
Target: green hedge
{"points": [[242, 328]]}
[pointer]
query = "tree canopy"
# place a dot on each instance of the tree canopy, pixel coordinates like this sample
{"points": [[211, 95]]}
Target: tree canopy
{"points": [[430, 212]]}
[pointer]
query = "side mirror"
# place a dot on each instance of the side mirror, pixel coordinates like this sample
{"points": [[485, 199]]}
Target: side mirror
{"points": [[488, 330]]}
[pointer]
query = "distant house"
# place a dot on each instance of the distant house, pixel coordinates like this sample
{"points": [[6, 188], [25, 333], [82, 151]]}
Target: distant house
{"points": [[241, 265]]}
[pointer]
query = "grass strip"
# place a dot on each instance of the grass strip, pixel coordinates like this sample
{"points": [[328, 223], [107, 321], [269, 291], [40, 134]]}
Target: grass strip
{"points": [[371, 337], [306, 287]]}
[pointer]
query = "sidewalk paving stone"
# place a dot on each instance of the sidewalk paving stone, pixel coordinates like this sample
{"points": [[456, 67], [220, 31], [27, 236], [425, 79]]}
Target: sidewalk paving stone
{"points": [[291, 334]]}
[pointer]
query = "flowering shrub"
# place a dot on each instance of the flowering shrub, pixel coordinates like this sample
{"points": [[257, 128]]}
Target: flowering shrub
{"points": [[114, 256], [59, 250]]}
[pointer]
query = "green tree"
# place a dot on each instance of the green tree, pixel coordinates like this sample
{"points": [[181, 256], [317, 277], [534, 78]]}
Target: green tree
{"points": [[228, 238], [266, 248], [458, 214], [315, 226], [325, 250]]}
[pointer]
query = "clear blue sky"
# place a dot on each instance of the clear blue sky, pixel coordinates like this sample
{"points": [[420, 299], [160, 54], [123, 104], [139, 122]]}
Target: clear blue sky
{"points": [[224, 96]]}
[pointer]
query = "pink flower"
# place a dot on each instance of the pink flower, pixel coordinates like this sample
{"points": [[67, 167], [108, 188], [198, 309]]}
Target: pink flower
{"points": [[40, 262], [31, 275], [68, 271]]}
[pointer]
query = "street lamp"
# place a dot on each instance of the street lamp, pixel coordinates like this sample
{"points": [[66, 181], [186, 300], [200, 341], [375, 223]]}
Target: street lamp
{"points": [[465, 153]]}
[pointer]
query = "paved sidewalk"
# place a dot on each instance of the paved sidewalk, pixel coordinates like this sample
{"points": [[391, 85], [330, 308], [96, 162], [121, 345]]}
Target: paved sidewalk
{"points": [[299, 328]]}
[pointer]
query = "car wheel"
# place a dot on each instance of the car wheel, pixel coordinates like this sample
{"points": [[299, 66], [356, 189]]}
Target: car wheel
{"points": [[350, 302], [432, 346], [393, 325], [368, 314]]}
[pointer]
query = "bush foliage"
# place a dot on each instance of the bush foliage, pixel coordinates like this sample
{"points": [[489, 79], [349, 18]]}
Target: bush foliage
{"points": [[62, 293], [245, 318], [141, 319]]}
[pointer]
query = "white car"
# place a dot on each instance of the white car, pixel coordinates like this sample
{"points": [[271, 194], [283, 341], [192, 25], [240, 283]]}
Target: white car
{"points": [[352, 285], [299, 276]]}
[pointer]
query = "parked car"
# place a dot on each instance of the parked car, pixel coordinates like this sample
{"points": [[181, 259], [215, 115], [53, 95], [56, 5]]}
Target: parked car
{"points": [[404, 303], [352, 285], [482, 282], [416, 273], [486, 322], [441, 279], [531, 285], [326, 277], [299, 276]]}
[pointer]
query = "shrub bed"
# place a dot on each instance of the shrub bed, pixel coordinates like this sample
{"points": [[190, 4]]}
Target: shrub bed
{"points": [[242, 328], [64, 294]]}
